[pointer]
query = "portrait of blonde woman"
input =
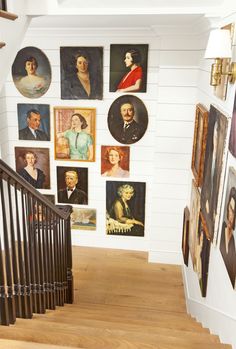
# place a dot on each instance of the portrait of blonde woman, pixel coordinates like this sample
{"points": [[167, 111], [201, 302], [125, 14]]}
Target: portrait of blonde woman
{"points": [[115, 161], [31, 72], [81, 72]]}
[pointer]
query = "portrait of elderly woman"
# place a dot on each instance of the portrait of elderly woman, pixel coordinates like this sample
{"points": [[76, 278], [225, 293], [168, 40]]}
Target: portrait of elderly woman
{"points": [[227, 240], [33, 165], [128, 68], [81, 72], [125, 203], [31, 72], [115, 161], [75, 133]]}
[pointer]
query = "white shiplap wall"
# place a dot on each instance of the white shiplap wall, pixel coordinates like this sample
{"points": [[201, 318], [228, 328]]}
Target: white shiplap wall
{"points": [[161, 158]]}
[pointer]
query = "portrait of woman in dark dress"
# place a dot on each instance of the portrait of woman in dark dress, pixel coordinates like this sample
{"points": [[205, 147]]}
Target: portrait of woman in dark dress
{"points": [[81, 72], [30, 173]]}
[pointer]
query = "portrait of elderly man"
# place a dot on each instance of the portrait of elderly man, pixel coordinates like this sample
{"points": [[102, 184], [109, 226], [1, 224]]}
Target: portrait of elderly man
{"points": [[127, 119], [33, 129], [70, 192]]}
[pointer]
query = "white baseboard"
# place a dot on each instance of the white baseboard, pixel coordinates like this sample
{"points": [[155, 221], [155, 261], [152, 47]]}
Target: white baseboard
{"points": [[165, 257], [216, 321]]}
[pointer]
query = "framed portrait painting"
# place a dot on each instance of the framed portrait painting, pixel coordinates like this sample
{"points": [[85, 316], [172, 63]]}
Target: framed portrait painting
{"points": [[232, 138], [127, 119], [199, 143], [202, 256], [74, 133], [128, 67], [185, 235], [193, 222], [125, 205], [115, 161], [72, 185], [81, 72], [83, 219], [214, 168], [31, 72], [33, 121], [228, 229], [33, 165]]}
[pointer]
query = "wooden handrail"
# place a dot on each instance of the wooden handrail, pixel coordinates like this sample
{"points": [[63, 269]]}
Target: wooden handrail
{"points": [[8, 15]]}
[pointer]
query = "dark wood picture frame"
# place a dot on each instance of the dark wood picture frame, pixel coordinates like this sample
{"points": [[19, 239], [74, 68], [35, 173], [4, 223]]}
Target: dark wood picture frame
{"points": [[199, 143], [185, 235]]}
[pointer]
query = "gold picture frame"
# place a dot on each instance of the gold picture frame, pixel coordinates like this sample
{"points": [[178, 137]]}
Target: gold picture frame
{"points": [[70, 142], [199, 143]]}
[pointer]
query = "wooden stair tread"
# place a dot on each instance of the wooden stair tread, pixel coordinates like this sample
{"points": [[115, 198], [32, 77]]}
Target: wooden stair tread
{"points": [[2, 44], [14, 344], [8, 15]]}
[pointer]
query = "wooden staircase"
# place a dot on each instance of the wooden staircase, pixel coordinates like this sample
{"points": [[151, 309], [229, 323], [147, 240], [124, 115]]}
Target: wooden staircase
{"points": [[121, 302]]}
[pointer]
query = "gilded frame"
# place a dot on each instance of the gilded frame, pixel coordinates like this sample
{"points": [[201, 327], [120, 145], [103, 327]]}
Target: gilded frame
{"points": [[199, 143], [62, 122], [185, 235]]}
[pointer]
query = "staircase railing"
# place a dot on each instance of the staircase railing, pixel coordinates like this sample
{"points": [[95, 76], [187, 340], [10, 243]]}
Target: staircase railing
{"points": [[35, 250]]}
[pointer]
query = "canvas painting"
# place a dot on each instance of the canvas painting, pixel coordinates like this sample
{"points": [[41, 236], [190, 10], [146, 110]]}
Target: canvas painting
{"points": [[125, 204], [128, 68], [74, 133], [33, 122], [199, 143], [31, 72], [72, 185], [81, 72], [83, 219], [202, 256], [127, 119], [115, 161], [228, 230], [185, 236], [33, 165], [193, 222], [213, 171], [232, 138]]}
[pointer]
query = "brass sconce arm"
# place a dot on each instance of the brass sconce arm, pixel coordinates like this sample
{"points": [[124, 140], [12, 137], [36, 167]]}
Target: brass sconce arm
{"points": [[217, 72]]}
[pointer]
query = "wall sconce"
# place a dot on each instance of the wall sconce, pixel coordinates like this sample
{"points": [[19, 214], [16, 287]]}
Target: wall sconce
{"points": [[218, 48]]}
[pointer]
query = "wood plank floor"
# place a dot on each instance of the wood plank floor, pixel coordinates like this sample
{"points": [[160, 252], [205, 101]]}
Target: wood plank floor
{"points": [[121, 302]]}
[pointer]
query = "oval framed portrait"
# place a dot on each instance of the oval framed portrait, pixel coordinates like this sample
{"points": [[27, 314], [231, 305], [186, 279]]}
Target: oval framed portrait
{"points": [[127, 119], [31, 72]]}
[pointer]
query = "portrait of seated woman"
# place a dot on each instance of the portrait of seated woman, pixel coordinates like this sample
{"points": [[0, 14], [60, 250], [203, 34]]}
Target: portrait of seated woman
{"points": [[81, 72], [128, 68], [125, 208], [115, 161], [31, 72], [75, 134], [33, 165]]}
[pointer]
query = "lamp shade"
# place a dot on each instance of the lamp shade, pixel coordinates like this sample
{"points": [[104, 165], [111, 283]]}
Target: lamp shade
{"points": [[219, 44]]}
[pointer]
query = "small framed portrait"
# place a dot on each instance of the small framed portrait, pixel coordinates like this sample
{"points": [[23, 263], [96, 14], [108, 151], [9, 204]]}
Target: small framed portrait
{"points": [[199, 143], [212, 184], [232, 138], [228, 229], [33, 122], [81, 72], [115, 161], [125, 205], [72, 185], [185, 235], [33, 165], [74, 133], [83, 219], [128, 68], [31, 72], [202, 256], [3, 5], [193, 222], [127, 119]]}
